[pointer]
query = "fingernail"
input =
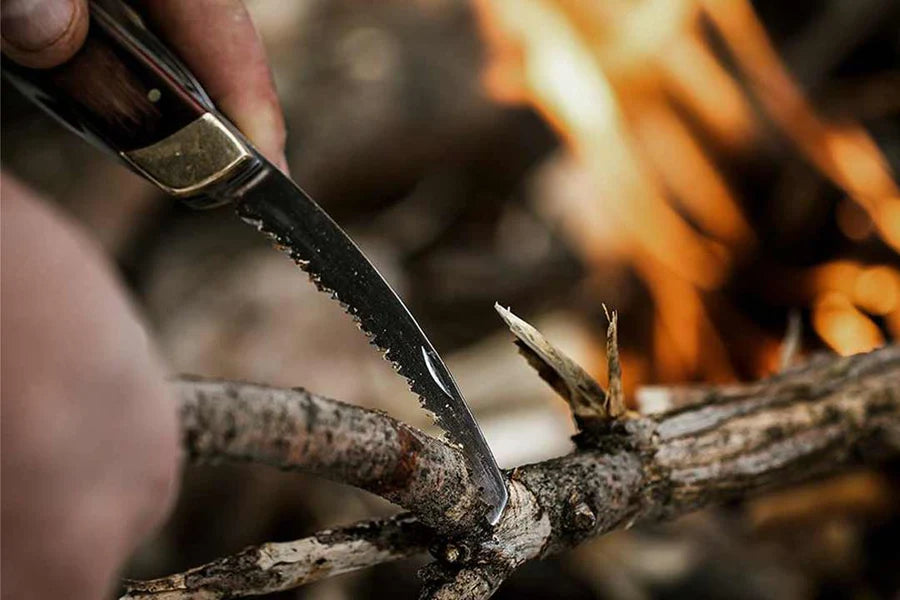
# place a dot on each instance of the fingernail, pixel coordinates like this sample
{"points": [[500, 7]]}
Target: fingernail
{"points": [[32, 25]]}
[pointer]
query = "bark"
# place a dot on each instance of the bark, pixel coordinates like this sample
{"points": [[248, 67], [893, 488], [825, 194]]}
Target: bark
{"points": [[728, 442], [274, 567], [296, 430], [693, 446]]}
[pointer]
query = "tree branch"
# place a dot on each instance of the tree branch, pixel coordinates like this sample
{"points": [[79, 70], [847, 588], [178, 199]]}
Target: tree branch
{"points": [[297, 430], [693, 446], [274, 567]]}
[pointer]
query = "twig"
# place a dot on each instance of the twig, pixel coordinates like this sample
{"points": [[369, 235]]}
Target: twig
{"points": [[616, 394], [790, 347], [275, 567], [585, 396]]}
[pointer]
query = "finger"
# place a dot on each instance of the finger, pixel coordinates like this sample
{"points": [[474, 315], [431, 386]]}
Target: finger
{"points": [[42, 33], [218, 41]]}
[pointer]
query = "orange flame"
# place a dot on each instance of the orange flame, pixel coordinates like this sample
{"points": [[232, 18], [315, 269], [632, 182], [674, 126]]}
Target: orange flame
{"points": [[843, 326], [615, 79], [844, 153], [843, 292]]}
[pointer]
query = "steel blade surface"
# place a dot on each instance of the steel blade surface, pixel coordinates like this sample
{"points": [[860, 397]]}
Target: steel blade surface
{"points": [[275, 205]]}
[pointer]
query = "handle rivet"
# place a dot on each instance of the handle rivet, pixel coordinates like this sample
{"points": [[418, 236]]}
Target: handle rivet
{"points": [[154, 95]]}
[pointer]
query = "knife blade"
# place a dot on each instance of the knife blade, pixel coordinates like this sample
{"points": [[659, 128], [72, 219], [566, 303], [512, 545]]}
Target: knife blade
{"points": [[276, 206], [127, 93]]}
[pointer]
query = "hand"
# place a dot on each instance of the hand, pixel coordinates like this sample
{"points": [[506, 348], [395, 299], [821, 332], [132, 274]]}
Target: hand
{"points": [[90, 438], [214, 37], [89, 429]]}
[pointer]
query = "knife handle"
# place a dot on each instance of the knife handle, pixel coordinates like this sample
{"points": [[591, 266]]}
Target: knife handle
{"points": [[127, 93]]}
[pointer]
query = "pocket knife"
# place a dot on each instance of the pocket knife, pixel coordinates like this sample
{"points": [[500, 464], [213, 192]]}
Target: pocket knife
{"points": [[127, 93]]}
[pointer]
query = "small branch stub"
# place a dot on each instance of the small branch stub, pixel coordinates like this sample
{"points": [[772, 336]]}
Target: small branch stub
{"points": [[615, 396], [581, 515], [585, 396], [790, 347], [592, 407]]}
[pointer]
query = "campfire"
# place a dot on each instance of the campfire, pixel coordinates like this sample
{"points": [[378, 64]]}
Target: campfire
{"points": [[656, 100], [646, 237]]}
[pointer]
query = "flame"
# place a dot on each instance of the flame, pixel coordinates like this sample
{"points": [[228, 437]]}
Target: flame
{"points": [[844, 153], [697, 81], [877, 290], [632, 86], [685, 340], [843, 326], [690, 175], [874, 288], [843, 292]]}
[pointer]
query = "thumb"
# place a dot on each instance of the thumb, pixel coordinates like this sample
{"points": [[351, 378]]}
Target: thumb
{"points": [[42, 33]]}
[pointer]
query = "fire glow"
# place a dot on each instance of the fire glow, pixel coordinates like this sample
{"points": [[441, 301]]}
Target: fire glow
{"points": [[608, 76]]}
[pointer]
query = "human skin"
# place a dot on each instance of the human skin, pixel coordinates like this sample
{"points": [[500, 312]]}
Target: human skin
{"points": [[89, 433]]}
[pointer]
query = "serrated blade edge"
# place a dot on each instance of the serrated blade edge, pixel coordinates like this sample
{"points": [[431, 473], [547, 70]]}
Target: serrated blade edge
{"points": [[275, 205]]}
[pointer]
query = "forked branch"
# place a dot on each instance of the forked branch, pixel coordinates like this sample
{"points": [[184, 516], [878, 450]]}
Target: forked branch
{"points": [[692, 446]]}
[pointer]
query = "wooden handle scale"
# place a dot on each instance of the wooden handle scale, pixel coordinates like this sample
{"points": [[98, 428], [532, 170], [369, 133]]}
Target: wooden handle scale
{"points": [[126, 92]]}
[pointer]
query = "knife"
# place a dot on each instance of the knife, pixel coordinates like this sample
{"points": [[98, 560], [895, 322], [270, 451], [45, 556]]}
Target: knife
{"points": [[125, 92]]}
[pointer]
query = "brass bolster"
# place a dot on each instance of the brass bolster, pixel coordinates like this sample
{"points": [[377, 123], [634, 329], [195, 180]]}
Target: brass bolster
{"points": [[194, 157]]}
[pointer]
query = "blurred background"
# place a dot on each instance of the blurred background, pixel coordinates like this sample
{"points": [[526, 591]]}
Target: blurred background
{"points": [[706, 167]]}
